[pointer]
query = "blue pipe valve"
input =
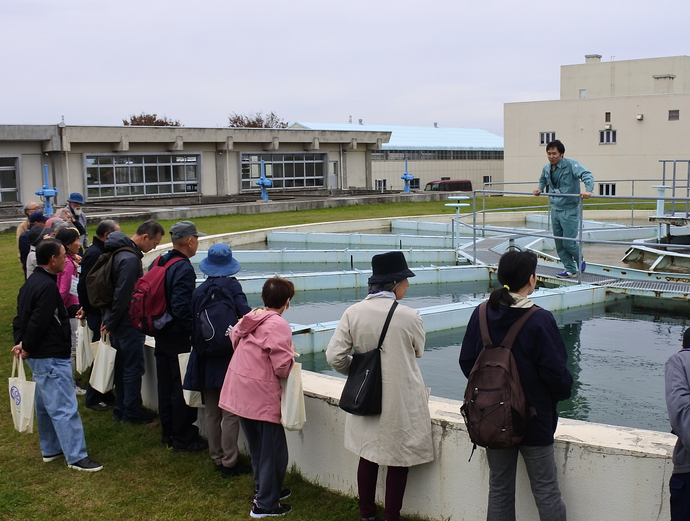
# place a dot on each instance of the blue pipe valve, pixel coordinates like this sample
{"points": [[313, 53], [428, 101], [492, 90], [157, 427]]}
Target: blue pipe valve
{"points": [[407, 177], [264, 182], [47, 193]]}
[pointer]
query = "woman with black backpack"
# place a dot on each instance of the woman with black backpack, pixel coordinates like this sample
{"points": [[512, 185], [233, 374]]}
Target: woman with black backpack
{"points": [[540, 359], [217, 305]]}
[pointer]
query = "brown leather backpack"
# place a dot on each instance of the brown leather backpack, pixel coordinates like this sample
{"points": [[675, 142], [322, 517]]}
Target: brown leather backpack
{"points": [[495, 409]]}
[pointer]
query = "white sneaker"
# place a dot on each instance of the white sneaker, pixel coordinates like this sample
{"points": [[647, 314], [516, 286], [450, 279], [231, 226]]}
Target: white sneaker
{"points": [[79, 391]]}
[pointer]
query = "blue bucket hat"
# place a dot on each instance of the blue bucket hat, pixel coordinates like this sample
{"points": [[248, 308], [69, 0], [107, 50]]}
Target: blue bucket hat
{"points": [[219, 262], [76, 197]]}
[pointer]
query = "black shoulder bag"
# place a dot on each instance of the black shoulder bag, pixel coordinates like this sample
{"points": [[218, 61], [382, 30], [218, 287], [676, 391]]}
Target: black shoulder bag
{"points": [[362, 392]]}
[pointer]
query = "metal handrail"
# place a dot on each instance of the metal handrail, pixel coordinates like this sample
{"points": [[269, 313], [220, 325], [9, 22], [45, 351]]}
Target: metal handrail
{"points": [[661, 201]]}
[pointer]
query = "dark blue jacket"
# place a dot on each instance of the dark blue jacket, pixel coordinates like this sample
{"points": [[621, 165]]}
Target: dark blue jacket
{"points": [[540, 357], [127, 270], [205, 372], [180, 280], [87, 262]]}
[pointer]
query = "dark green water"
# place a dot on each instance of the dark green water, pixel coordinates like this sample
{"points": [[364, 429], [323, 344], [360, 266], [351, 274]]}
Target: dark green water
{"points": [[616, 353]]}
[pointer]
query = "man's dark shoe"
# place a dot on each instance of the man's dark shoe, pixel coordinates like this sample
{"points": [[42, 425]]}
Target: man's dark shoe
{"points": [[283, 508], [53, 457], [196, 446], [117, 415], [239, 469], [167, 442], [86, 465], [100, 406], [141, 419]]}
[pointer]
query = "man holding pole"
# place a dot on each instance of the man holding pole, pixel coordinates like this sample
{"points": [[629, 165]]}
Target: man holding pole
{"points": [[562, 176]]}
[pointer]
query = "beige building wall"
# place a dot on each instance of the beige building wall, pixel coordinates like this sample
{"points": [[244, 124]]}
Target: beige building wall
{"points": [[641, 143], [434, 170], [625, 78]]}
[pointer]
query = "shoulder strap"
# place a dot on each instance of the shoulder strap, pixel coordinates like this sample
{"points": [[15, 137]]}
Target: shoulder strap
{"points": [[484, 324], [517, 326], [385, 325]]}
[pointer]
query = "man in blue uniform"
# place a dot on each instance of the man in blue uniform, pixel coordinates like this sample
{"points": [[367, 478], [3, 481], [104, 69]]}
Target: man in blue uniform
{"points": [[563, 176]]}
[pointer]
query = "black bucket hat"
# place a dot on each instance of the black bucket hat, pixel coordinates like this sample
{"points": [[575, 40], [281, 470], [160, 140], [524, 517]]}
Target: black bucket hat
{"points": [[389, 267]]}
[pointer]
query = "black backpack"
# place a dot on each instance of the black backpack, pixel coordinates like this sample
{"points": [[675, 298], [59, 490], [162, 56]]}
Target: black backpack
{"points": [[214, 315], [99, 281]]}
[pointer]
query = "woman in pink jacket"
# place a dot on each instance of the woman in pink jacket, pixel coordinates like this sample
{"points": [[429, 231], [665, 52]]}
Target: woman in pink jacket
{"points": [[264, 352], [67, 284]]}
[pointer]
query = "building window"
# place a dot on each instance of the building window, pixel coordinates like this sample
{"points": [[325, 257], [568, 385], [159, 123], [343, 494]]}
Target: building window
{"points": [[135, 175], [486, 179], [435, 155], [546, 137], [673, 115], [607, 188], [380, 184], [286, 170], [414, 184], [607, 117], [8, 180], [607, 137], [583, 93]]}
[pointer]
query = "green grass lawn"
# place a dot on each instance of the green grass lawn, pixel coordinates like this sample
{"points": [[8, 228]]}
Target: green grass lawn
{"points": [[141, 480]]}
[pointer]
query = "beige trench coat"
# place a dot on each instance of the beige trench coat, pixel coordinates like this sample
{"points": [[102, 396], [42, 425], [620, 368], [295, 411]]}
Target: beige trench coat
{"points": [[401, 435]]}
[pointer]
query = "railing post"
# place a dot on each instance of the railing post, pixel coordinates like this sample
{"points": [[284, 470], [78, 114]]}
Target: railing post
{"points": [[632, 204], [474, 227], [579, 242]]}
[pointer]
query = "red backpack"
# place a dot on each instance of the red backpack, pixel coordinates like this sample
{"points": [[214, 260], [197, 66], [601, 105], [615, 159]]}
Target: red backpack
{"points": [[148, 309]]}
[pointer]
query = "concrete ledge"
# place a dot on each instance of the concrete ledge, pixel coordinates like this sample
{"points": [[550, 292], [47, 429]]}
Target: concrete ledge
{"points": [[605, 472]]}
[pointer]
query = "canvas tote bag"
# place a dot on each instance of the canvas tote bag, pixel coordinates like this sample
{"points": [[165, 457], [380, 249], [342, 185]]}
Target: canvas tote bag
{"points": [[84, 349], [21, 398], [293, 414], [191, 398], [103, 372]]}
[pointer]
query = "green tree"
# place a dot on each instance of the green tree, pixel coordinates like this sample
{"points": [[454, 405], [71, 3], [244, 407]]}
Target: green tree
{"points": [[150, 120], [256, 120]]}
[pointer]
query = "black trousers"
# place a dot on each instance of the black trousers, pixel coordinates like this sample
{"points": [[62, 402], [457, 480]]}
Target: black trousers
{"points": [[269, 453], [176, 416]]}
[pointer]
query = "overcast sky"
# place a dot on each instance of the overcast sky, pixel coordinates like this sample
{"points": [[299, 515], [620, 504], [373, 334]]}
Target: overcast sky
{"points": [[387, 62]]}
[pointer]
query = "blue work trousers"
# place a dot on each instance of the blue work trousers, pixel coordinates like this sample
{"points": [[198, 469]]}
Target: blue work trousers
{"points": [[541, 469], [59, 425], [129, 368], [679, 486], [566, 223]]}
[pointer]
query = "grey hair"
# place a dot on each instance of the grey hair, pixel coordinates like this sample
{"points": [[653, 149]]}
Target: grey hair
{"points": [[388, 286], [27, 206]]}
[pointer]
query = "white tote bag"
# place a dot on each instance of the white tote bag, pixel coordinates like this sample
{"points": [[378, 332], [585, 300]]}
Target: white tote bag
{"points": [[293, 414], [103, 372], [21, 398], [191, 398], [84, 350]]}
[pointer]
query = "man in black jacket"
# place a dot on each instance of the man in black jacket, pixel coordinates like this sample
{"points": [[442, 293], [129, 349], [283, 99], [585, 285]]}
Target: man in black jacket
{"points": [[94, 400], [127, 341], [176, 416], [43, 338]]}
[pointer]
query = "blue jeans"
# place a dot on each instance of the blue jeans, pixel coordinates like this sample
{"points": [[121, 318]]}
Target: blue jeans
{"points": [[129, 368], [59, 425], [541, 469]]}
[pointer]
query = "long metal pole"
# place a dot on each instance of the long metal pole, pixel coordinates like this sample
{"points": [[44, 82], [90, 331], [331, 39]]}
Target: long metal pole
{"points": [[474, 227], [632, 205], [579, 243]]}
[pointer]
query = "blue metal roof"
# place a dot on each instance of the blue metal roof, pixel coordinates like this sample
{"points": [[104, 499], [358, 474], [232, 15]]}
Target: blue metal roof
{"points": [[420, 138]]}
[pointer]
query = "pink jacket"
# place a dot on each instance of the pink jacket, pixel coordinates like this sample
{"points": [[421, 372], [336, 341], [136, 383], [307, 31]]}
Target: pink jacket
{"points": [[64, 282], [263, 354]]}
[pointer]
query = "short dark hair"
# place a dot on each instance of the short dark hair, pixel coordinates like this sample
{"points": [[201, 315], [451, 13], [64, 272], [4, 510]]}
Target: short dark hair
{"points": [[276, 292], [514, 270], [557, 145], [46, 249], [150, 228], [105, 226], [67, 236]]}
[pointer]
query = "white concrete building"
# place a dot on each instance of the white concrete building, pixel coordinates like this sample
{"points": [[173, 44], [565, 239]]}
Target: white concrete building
{"points": [[617, 118], [135, 163], [434, 153]]}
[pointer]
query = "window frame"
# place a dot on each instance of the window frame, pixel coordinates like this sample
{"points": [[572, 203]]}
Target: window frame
{"points": [[674, 115], [150, 163], [608, 137], [546, 137], [17, 179], [286, 171]]}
